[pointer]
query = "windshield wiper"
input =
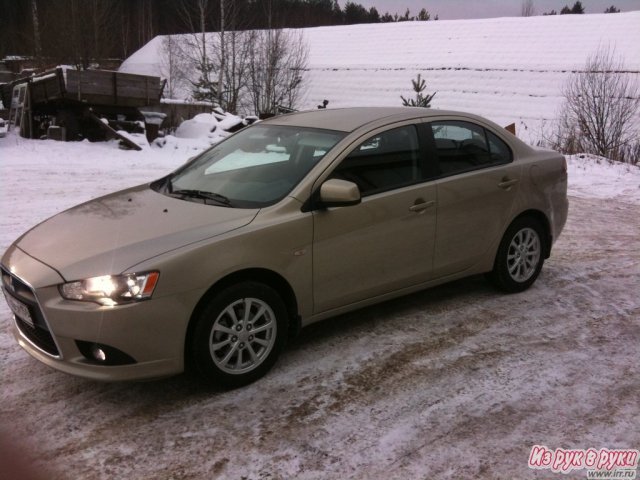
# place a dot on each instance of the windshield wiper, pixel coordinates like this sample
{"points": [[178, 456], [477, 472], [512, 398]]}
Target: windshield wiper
{"points": [[216, 197]]}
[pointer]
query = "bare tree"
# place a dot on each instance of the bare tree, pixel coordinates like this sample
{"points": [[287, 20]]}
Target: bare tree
{"points": [[36, 31], [234, 46], [101, 17], [528, 8], [276, 71], [222, 56], [601, 109], [241, 70], [145, 21], [175, 67], [235, 70], [198, 47], [125, 34], [79, 32]]}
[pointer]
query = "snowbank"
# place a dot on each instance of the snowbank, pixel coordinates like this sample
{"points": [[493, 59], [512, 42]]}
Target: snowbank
{"points": [[596, 177]]}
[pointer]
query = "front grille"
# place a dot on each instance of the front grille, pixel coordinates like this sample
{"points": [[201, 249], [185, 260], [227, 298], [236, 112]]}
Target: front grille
{"points": [[39, 333], [17, 287], [38, 336]]}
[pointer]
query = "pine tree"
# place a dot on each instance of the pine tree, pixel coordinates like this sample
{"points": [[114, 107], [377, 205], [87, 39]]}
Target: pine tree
{"points": [[205, 89], [577, 8], [419, 85], [424, 16]]}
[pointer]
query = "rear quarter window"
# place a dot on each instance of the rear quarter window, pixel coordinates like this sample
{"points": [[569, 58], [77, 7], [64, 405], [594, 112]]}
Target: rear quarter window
{"points": [[500, 151]]}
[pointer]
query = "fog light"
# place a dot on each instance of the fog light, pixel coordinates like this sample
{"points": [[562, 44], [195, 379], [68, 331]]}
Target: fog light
{"points": [[101, 354], [98, 353]]}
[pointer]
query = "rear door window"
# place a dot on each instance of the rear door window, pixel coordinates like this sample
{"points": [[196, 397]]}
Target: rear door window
{"points": [[464, 146]]}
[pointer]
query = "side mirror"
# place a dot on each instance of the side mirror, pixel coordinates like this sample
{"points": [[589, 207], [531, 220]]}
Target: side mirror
{"points": [[339, 193]]}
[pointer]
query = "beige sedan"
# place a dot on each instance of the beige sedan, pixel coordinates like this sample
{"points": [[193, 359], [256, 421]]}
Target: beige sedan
{"points": [[290, 221]]}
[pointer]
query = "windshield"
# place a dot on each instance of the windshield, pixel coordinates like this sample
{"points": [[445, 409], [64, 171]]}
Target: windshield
{"points": [[254, 168]]}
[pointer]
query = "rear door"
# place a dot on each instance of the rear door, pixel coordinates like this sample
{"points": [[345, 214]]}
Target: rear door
{"points": [[477, 185]]}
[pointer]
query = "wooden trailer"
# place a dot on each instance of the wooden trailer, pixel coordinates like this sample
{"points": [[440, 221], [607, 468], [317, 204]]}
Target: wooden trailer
{"points": [[79, 101]]}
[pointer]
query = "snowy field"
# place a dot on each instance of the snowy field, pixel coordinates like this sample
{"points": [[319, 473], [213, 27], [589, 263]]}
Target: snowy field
{"points": [[510, 70], [455, 382]]}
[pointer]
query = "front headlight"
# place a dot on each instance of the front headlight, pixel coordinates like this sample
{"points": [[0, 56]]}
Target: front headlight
{"points": [[112, 289]]}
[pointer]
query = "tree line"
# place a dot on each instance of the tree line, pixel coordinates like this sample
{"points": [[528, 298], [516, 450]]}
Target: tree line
{"points": [[80, 31], [528, 9]]}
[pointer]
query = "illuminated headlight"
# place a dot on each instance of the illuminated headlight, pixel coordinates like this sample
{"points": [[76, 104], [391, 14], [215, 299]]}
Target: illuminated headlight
{"points": [[112, 289]]}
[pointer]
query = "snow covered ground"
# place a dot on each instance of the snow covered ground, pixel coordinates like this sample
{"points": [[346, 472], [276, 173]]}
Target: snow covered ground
{"points": [[510, 70], [459, 381]]}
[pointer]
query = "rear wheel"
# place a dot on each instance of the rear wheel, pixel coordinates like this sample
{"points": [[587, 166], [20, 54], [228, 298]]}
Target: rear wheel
{"points": [[520, 256], [239, 334]]}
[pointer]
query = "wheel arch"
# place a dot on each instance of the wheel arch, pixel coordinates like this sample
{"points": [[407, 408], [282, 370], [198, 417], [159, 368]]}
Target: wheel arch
{"points": [[542, 219], [499, 274], [260, 275]]}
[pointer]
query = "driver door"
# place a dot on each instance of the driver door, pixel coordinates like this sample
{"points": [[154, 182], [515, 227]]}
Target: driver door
{"points": [[386, 242]]}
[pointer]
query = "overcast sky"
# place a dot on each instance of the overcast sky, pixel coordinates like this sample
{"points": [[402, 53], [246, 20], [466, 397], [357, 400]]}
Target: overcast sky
{"points": [[450, 9]]}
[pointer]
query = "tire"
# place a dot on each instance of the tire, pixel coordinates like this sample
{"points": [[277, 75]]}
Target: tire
{"points": [[231, 349], [520, 256]]}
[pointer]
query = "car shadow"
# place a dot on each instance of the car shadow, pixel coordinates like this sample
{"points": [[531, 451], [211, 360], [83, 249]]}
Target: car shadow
{"points": [[423, 301], [187, 388]]}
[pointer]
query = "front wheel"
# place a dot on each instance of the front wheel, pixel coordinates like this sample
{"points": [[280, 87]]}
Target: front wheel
{"points": [[239, 334], [520, 256]]}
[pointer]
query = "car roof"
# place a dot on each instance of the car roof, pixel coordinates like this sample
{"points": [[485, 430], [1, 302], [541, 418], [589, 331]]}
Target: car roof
{"points": [[350, 119]]}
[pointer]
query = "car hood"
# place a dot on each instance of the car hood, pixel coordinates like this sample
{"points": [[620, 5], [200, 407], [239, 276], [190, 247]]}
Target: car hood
{"points": [[111, 234]]}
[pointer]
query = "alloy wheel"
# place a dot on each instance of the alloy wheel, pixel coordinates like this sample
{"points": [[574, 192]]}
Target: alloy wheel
{"points": [[243, 335], [523, 254]]}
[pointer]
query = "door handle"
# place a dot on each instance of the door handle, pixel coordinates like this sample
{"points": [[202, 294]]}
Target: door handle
{"points": [[418, 207], [506, 184]]}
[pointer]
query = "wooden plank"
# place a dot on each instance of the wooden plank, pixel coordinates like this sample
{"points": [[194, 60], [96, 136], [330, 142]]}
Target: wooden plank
{"points": [[107, 100], [105, 78], [111, 88], [45, 91], [47, 87], [87, 82], [114, 80], [113, 133], [133, 77], [26, 117], [127, 91]]}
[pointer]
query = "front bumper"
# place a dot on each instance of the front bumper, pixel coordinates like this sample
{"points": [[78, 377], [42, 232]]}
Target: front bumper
{"points": [[63, 334]]}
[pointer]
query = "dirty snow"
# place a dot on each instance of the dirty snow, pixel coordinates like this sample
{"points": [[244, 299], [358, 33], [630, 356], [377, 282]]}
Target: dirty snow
{"points": [[454, 382]]}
